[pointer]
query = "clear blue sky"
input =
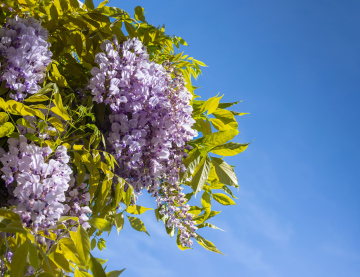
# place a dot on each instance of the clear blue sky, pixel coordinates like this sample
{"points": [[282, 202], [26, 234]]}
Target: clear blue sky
{"points": [[296, 65]]}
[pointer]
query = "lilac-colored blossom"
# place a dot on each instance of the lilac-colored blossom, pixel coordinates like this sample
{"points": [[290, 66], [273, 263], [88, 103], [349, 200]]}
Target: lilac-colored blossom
{"points": [[37, 182], [151, 120], [24, 55]]}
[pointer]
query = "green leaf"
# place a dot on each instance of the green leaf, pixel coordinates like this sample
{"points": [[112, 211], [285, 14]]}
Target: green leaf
{"points": [[137, 224], [208, 245], [56, 123], [59, 109], [33, 256], [128, 194], [191, 162], [206, 203], [201, 218], [4, 117], [135, 209], [119, 191], [217, 138], [229, 149], [69, 249], [45, 274], [211, 104], [56, 77], [82, 244], [226, 105], [226, 117], [228, 191], [9, 214], [68, 217], [37, 98], [202, 225], [96, 268], [115, 273], [93, 243], [131, 30], [195, 210], [3, 104], [78, 43], [100, 223], [18, 262], [89, 4], [74, 4], [239, 114], [205, 126], [139, 14], [119, 222], [223, 199], [102, 4], [6, 129], [101, 244], [79, 273], [60, 260], [225, 172], [219, 125], [201, 174]]}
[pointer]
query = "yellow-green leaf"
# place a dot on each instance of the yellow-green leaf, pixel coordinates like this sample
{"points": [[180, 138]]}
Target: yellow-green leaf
{"points": [[79, 273], [206, 203], [37, 98], [190, 163], [217, 138], [139, 14], [4, 117], [6, 129], [56, 123], [60, 260], [224, 172], [96, 268], [9, 214], [211, 104], [3, 104], [229, 149], [82, 243], [18, 262], [202, 225], [223, 199], [135, 209], [208, 245], [137, 224], [119, 222], [100, 223], [226, 117], [201, 175], [115, 273]]}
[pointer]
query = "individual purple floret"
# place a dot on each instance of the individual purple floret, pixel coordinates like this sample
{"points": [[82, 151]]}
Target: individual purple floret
{"points": [[151, 119], [24, 55]]}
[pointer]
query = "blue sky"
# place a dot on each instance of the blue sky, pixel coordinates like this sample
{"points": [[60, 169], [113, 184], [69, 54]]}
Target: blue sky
{"points": [[296, 66]]}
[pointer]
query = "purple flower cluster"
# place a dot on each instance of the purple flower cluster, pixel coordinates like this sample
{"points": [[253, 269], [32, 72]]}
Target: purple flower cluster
{"points": [[151, 121], [77, 202], [24, 55], [135, 89], [37, 179]]}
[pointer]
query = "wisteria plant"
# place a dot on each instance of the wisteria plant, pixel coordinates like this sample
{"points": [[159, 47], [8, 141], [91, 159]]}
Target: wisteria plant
{"points": [[96, 109]]}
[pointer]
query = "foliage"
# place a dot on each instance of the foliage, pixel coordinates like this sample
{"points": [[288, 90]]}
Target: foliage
{"points": [[64, 114]]}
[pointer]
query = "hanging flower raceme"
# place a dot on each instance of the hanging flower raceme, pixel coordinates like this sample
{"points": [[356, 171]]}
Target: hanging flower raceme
{"points": [[151, 120], [135, 89], [77, 202], [24, 55], [36, 181]]}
